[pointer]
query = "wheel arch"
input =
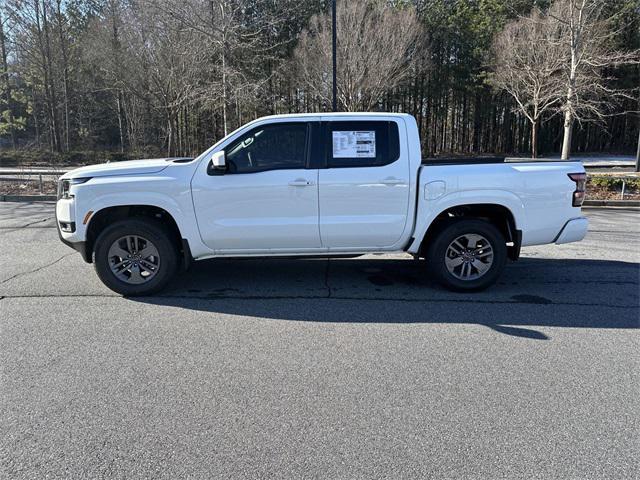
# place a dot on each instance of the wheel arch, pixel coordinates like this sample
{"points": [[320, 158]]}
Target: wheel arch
{"points": [[498, 214], [100, 219]]}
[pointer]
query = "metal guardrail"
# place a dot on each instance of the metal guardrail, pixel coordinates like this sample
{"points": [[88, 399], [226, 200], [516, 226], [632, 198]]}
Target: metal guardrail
{"points": [[27, 172], [31, 176]]}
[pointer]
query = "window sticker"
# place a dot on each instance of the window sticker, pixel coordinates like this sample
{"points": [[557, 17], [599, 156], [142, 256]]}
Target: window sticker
{"points": [[354, 144]]}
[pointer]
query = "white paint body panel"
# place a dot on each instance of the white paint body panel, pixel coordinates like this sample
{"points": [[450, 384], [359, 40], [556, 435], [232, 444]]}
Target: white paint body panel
{"points": [[574, 231], [257, 211], [169, 189], [538, 195], [261, 212], [369, 207], [130, 167], [341, 210]]}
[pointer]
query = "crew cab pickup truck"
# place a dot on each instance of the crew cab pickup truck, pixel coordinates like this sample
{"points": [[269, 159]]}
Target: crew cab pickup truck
{"points": [[339, 184]]}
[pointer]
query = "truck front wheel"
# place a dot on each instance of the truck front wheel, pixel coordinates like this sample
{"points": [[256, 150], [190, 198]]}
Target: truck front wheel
{"points": [[135, 257], [467, 255]]}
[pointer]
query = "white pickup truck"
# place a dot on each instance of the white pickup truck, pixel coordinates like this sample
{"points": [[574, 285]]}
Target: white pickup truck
{"points": [[339, 184]]}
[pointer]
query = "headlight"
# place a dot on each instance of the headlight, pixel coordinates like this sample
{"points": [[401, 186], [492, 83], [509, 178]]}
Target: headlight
{"points": [[64, 186]]}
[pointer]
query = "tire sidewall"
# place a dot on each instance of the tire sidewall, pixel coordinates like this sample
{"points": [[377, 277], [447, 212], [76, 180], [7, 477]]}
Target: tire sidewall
{"points": [[437, 252], [149, 229]]}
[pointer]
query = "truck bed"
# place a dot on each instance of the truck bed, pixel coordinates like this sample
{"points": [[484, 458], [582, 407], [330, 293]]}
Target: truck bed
{"points": [[537, 193], [475, 160]]}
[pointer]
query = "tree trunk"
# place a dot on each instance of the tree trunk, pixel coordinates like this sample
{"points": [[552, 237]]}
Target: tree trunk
{"points": [[534, 139], [223, 49], [55, 128], [44, 47], [120, 126], [115, 51], [568, 108], [169, 133], [566, 139], [65, 77], [475, 146], [224, 91], [638, 154]]}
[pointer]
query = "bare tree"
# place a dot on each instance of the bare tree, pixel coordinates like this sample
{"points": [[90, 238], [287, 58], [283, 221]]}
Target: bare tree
{"points": [[528, 62], [127, 75], [376, 46], [33, 26], [586, 38], [62, 39], [173, 56], [236, 31], [106, 53], [5, 84]]}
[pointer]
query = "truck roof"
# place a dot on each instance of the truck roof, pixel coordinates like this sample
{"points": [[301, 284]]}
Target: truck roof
{"points": [[336, 114]]}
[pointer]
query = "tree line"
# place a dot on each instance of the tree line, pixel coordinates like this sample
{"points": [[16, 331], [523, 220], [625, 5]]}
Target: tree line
{"points": [[171, 77]]}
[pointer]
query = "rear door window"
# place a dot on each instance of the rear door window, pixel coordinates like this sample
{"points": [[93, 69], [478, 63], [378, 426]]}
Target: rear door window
{"points": [[361, 143]]}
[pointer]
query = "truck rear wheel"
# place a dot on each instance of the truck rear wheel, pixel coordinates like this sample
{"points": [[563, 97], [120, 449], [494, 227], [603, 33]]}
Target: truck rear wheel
{"points": [[467, 255], [135, 257]]}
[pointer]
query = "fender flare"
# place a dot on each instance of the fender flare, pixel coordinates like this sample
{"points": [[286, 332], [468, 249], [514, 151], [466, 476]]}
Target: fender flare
{"points": [[188, 238], [433, 209], [147, 199]]}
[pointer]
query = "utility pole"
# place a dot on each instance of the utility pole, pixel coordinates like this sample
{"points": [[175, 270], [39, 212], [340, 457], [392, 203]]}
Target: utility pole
{"points": [[333, 37]]}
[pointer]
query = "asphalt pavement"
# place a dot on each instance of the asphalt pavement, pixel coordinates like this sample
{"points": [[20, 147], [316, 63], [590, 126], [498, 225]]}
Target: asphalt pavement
{"points": [[349, 368]]}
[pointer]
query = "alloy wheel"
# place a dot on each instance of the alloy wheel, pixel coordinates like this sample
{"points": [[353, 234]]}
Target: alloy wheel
{"points": [[469, 257], [134, 259]]}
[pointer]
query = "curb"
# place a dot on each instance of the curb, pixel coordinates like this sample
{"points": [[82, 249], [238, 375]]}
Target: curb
{"points": [[611, 203], [27, 198]]}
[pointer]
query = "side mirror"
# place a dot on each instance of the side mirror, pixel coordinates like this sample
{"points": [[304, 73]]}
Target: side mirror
{"points": [[218, 162]]}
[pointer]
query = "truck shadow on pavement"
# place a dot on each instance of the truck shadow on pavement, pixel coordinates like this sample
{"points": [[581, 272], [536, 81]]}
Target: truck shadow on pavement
{"points": [[532, 292]]}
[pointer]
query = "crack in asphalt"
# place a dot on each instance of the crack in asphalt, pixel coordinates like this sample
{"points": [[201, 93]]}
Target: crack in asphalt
{"points": [[26, 225], [42, 267], [307, 297]]}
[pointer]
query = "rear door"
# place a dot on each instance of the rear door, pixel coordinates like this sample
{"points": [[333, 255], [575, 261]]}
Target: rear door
{"points": [[267, 199], [364, 184]]}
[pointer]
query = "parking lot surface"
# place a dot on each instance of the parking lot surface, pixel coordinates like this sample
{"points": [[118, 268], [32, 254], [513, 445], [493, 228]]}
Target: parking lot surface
{"points": [[344, 368]]}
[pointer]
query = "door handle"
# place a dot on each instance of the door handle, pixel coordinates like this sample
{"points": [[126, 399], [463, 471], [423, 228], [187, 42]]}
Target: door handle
{"points": [[300, 182], [392, 181]]}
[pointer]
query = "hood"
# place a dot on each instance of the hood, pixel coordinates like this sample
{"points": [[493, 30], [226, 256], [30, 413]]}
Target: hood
{"points": [[130, 167]]}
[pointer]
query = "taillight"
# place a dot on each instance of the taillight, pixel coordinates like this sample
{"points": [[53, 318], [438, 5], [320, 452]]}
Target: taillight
{"points": [[581, 184]]}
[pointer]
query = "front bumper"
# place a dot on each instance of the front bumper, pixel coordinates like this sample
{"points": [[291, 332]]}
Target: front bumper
{"points": [[573, 231], [80, 247], [65, 216]]}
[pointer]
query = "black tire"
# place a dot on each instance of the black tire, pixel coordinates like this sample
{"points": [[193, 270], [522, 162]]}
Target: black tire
{"points": [[149, 229], [439, 247]]}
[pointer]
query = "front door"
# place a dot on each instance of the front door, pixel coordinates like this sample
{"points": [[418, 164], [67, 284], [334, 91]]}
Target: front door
{"points": [[267, 200]]}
